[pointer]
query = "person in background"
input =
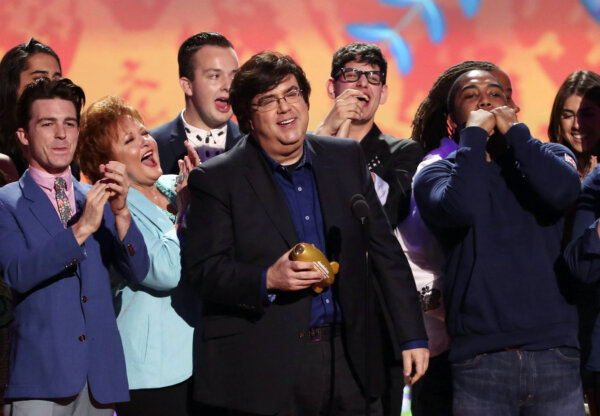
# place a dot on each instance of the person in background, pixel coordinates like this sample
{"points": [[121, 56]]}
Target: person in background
{"points": [[565, 128], [207, 64], [19, 67], [587, 121], [564, 124], [60, 238], [157, 342]]}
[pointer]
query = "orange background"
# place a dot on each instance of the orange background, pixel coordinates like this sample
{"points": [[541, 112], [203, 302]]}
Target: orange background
{"points": [[129, 47]]}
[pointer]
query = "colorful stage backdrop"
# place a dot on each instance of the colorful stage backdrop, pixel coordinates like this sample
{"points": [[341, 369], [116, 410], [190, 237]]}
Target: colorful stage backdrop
{"points": [[129, 47]]}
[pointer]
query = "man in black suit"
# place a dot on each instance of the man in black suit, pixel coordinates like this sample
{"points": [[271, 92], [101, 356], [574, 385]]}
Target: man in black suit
{"points": [[207, 64], [269, 344], [358, 86]]}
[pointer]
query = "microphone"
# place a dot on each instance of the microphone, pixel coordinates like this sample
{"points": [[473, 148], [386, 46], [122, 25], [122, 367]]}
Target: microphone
{"points": [[360, 207]]}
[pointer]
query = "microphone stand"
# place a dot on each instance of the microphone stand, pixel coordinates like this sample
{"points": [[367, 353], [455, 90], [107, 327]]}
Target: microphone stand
{"points": [[360, 210]]}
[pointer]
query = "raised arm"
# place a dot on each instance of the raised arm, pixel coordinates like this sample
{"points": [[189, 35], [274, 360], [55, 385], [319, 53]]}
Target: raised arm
{"points": [[449, 193], [583, 252]]}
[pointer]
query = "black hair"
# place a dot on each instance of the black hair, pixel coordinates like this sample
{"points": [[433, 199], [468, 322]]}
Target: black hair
{"points": [[45, 88], [430, 123], [360, 52], [192, 44]]}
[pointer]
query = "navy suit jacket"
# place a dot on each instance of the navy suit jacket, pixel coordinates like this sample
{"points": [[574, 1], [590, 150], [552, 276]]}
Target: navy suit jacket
{"points": [[64, 332], [170, 137]]}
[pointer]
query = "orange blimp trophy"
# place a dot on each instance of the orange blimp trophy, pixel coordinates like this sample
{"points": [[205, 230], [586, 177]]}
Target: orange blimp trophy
{"points": [[308, 252]]}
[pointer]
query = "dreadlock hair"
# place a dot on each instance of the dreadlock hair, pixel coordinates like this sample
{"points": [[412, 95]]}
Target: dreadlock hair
{"points": [[430, 124]]}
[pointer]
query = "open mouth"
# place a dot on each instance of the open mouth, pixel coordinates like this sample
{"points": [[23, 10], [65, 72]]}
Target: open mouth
{"points": [[286, 122], [148, 159], [222, 104], [365, 99]]}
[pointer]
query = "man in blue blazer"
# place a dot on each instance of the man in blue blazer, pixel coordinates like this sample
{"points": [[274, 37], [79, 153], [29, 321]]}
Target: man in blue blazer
{"points": [[60, 238], [207, 64]]}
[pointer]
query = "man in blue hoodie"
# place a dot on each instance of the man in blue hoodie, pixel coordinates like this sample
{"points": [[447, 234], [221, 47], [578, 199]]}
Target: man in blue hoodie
{"points": [[497, 205]]}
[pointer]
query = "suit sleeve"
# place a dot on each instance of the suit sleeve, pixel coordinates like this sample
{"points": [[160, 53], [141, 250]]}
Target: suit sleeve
{"points": [[208, 250], [130, 255], [398, 292], [26, 267], [549, 167], [164, 254], [583, 252], [402, 166]]}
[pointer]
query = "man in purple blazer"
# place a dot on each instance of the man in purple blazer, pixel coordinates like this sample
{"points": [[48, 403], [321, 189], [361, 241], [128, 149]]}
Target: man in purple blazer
{"points": [[59, 238]]}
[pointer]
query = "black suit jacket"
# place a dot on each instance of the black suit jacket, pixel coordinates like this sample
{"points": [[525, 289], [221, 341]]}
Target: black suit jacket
{"points": [[395, 161], [238, 224], [170, 137]]}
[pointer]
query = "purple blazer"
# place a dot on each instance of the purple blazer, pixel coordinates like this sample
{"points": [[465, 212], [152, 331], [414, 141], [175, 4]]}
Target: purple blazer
{"points": [[64, 332]]}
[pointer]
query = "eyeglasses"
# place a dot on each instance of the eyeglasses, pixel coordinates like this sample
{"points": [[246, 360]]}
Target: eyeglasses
{"points": [[353, 75], [270, 102]]}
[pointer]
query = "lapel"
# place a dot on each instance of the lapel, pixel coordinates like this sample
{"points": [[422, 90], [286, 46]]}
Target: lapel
{"points": [[80, 191], [326, 177], [233, 133], [376, 150], [259, 176], [40, 206], [146, 211], [177, 137]]}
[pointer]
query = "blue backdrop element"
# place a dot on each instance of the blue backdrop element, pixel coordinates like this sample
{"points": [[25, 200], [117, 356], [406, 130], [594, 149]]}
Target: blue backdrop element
{"points": [[470, 7], [378, 32], [432, 17], [593, 8]]}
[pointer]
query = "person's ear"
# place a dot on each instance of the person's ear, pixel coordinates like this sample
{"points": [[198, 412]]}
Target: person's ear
{"points": [[331, 88], [186, 86], [384, 94], [23, 136]]}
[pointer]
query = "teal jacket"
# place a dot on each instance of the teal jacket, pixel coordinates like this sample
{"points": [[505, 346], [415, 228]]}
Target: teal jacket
{"points": [[156, 340]]}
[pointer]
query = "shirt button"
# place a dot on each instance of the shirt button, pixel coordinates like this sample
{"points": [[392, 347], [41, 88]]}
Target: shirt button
{"points": [[307, 218], [299, 189], [326, 300], [84, 299], [82, 337]]}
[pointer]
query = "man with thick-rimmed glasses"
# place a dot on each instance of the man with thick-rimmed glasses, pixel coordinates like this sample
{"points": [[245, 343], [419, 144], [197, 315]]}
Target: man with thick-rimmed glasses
{"points": [[358, 86]]}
